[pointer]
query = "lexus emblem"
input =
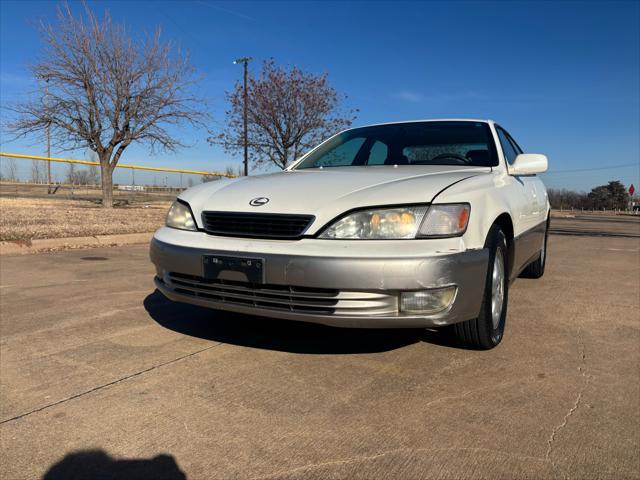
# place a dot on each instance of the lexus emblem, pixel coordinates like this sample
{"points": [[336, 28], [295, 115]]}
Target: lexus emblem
{"points": [[259, 201]]}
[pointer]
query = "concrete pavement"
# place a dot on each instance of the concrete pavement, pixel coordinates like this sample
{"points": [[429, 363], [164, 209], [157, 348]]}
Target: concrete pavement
{"points": [[100, 375]]}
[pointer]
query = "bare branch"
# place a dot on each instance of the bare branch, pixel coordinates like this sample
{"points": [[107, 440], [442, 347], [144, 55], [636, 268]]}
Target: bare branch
{"points": [[289, 111], [102, 90]]}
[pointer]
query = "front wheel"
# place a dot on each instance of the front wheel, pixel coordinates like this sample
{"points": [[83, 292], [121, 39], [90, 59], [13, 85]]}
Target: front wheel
{"points": [[486, 331]]}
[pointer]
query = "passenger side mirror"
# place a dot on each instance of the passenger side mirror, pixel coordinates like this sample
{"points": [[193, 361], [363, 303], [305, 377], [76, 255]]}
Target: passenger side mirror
{"points": [[529, 164]]}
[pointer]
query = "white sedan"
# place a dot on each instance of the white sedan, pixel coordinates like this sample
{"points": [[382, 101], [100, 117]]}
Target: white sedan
{"points": [[411, 224]]}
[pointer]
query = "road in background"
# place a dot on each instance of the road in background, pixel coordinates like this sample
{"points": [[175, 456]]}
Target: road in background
{"points": [[99, 373], [595, 225]]}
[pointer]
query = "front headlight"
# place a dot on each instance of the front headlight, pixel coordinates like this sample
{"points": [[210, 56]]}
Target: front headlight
{"points": [[402, 223], [179, 216], [379, 224]]}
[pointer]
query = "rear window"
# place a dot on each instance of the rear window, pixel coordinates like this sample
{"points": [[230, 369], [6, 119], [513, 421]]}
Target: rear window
{"points": [[415, 143]]}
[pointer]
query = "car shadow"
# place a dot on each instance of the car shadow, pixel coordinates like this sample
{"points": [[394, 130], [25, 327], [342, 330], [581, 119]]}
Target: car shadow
{"points": [[99, 465], [281, 335]]}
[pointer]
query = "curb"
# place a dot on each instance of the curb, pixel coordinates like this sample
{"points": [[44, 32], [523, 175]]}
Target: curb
{"points": [[21, 247]]}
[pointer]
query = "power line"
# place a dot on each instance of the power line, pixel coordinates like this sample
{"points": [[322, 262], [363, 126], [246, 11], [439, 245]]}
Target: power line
{"points": [[610, 167]]}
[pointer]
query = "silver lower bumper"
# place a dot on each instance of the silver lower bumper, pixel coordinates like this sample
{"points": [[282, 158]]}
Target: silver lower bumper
{"points": [[345, 292]]}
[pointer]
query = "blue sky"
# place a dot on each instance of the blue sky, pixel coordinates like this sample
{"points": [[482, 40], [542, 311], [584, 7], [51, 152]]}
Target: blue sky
{"points": [[562, 77]]}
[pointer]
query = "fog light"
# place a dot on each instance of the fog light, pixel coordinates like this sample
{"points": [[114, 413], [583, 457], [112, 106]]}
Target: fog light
{"points": [[427, 301]]}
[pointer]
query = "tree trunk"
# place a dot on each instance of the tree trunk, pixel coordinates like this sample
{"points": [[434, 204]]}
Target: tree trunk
{"points": [[106, 177]]}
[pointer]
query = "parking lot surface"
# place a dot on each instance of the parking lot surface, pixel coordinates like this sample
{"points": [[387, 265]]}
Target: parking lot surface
{"points": [[100, 375]]}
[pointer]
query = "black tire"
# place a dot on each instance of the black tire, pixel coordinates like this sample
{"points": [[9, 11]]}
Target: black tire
{"points": [[536, 268], [480, 332]]}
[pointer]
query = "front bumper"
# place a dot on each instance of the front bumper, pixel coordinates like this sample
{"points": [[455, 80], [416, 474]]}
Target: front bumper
{"points": [[332, 290]]}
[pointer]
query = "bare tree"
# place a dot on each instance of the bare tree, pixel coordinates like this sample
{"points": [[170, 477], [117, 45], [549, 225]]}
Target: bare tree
{"points": [[229, 171], [232, 171], [38, 174], [106, 91], [11, 169], [93, 175], [71, 176], [83, 177], [288, 111], [209, 178]]}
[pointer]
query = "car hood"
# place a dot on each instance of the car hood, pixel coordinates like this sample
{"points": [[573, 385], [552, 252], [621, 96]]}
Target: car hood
{"points": [[329, 192]]}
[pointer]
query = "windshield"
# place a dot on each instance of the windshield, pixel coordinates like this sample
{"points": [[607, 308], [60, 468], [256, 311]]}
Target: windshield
{"points": [[416, 143]]}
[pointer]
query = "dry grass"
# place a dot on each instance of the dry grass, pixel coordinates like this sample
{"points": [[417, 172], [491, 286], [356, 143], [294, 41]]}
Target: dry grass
{"points": [[28, 218]]}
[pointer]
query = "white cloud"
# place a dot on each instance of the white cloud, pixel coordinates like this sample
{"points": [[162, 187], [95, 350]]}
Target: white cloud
{"points": [[416, 97], [408, 96]]}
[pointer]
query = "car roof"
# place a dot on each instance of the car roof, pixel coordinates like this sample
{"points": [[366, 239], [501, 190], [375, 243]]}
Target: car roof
{"points": [[476, 120]]}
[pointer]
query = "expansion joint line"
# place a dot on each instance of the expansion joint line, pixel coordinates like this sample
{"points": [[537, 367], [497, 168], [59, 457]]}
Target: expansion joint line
{"points": [[109, 384]]}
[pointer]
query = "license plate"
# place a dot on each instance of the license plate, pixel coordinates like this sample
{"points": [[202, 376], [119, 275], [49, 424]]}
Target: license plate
{"points": [[220, 267]]}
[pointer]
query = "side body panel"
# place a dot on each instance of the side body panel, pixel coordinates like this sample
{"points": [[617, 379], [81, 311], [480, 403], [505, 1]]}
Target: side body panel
{"points": [[523, 198]]}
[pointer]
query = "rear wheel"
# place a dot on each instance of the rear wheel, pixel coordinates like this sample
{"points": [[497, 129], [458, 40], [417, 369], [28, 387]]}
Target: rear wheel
{"points": [[486, 331]]}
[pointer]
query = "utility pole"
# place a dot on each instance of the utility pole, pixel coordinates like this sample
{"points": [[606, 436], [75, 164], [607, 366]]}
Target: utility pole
{"points": [[244, 61], [46, 106]]}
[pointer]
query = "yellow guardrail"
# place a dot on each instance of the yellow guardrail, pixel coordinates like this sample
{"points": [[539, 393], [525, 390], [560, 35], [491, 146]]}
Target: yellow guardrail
{"points": [[93, 186], [133, 167]]}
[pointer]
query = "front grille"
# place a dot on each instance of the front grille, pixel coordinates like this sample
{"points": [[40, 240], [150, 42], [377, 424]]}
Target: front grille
{"points": [[256, 225], [318, 301], [294, 299]]}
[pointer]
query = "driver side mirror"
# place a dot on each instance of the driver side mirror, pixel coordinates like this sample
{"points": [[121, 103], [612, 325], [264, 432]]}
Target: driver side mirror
{"points": [[529, 164]]}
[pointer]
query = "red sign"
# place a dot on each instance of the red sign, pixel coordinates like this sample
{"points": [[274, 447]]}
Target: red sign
{"points": [[632, 189]]}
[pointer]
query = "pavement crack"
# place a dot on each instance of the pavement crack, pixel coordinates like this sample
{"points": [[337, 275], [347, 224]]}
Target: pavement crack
{"points": [[109, 384], [468, 392], [576, 403], [366, 458], [311, 466], [559, 427]]}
